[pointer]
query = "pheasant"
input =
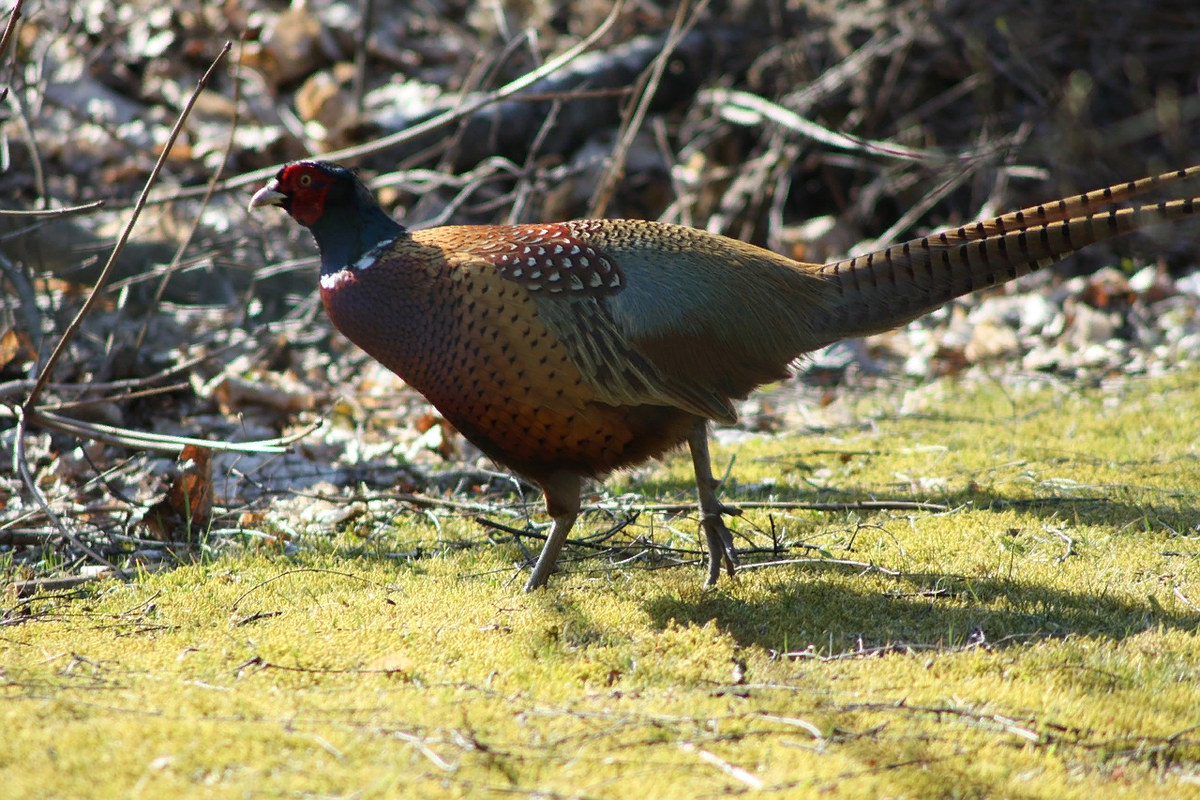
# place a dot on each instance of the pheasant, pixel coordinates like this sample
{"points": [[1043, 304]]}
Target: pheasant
{"points": [[568, 350]]}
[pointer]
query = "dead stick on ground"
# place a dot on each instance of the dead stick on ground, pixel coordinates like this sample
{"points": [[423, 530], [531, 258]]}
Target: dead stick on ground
{"points": [[730, 769], [36, 585], [780, 505]]}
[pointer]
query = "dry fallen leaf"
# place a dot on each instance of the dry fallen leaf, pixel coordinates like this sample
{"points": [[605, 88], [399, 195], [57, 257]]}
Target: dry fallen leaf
{"points": [[15, 344], [186, 509]]}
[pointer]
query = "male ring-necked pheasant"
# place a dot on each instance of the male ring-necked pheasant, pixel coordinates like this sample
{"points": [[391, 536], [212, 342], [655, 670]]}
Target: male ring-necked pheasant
{"points": [[571, 349]]}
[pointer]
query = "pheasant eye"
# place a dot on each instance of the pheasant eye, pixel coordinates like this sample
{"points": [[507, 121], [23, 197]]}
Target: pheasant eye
{"points": [[305, 180]]}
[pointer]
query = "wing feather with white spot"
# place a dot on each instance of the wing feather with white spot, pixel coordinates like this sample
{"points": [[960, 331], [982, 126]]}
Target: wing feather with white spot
{"points": [[571, 281]]}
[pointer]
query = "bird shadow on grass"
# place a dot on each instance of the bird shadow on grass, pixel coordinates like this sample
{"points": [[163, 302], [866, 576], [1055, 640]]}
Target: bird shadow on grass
{"points": [[804, 613], [821, 607]]}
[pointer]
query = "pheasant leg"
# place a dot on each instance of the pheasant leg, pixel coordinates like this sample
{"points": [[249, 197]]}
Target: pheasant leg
{"points": [[562, 501], [720, 540]]}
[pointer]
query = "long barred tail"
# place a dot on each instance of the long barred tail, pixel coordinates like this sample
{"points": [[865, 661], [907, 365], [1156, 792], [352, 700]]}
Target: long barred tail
{"points": [[892, 286], [1080, 205]]}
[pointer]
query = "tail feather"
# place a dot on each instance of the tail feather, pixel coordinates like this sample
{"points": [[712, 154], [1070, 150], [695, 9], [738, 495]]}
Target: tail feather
{"points": [[889, 287], [1078, 206]]}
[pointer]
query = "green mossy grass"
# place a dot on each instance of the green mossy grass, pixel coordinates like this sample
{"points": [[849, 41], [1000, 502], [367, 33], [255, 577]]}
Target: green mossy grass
{"points": [[1038, 641]]}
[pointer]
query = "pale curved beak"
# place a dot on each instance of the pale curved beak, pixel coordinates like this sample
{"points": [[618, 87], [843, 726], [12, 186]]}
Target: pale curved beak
{"points": [[269, 195]]}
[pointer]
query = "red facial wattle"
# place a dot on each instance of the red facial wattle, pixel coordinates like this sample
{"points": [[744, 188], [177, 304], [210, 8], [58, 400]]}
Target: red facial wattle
{"points": [[307, 188]]}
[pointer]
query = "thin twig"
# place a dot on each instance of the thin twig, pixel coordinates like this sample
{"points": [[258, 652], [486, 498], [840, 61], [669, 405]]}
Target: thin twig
{"points": [[27, 304], [28, 413], [732, 770], [666, 508], [160, 442], [121, 398], [31, 144], [11, 27], [858, 505], [71, 330], [19, 386], [36, 585], [430, 125], [487, 523], [216, 178], [636, 113], [366, 11], [482, 71], [745, 108], [50, 212], [525, 185], [914, 212], [21, 467], [848, 69], [302, 570]]}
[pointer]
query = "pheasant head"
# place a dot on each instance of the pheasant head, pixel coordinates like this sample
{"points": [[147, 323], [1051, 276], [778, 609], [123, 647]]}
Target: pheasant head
{"points": [[335, 206]]}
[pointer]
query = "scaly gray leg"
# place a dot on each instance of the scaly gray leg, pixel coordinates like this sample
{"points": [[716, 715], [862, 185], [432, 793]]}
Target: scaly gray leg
{"points": [[562, 501], [720, 540]]}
